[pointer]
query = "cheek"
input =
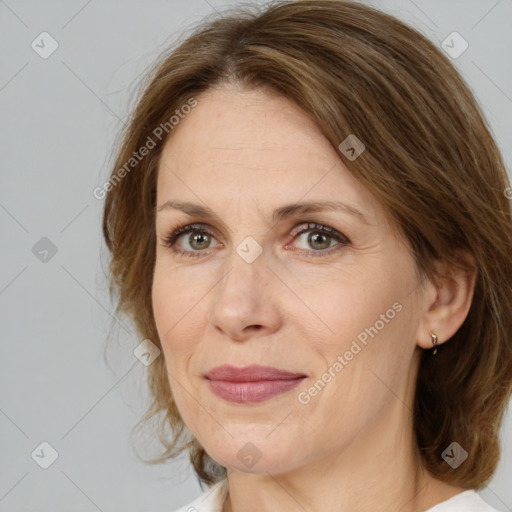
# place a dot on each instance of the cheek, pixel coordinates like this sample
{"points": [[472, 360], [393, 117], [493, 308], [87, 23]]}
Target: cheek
{"points": [[368, 356], [171, 297], [176, 336], [344, 303], [164, 304], [168, 308], [178, 316], [369, 316]]}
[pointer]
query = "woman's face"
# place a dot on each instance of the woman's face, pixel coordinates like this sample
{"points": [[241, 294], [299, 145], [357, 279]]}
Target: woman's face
{"points": [[341, 308]]}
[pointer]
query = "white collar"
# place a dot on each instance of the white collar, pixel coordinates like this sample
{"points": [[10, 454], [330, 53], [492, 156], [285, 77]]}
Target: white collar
{"points": [[212, 500]]}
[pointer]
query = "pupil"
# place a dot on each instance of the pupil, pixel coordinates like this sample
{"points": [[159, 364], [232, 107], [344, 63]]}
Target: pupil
{"points": [[197, 238], [314, 239]]}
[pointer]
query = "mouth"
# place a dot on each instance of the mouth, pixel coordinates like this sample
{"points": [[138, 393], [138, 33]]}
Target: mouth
{"points": [[251, 383]]}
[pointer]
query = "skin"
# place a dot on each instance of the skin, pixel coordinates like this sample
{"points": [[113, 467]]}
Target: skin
{"points": [[244, 153]]}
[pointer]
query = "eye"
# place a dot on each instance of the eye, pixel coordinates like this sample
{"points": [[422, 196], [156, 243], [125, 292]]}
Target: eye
{"points": [[200, 237], [320, 238]]}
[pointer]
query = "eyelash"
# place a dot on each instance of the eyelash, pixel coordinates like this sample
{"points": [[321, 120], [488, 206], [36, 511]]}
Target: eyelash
{"points": [[170, 240]]}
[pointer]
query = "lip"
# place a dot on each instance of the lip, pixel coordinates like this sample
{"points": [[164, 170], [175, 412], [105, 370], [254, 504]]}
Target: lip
{"points": [[253, 373], [251, 383]]}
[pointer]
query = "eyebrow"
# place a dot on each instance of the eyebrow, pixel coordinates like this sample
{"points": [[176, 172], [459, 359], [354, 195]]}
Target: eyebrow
{"points": [[281, 213]]}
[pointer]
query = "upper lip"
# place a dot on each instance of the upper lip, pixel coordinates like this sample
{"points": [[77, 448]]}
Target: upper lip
{"points": [[251, 373]]}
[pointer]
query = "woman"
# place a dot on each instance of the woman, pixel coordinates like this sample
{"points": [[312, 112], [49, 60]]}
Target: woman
{"points": [[370, 372]]}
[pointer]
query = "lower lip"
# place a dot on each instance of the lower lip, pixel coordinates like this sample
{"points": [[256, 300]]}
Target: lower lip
{"points": [[247, 392]]}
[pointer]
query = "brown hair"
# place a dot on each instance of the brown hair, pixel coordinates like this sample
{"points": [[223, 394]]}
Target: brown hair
{"points": [[430, 159]]}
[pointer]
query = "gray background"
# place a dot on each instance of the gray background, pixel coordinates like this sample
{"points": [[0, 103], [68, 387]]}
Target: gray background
{"points": [[60, 118]]}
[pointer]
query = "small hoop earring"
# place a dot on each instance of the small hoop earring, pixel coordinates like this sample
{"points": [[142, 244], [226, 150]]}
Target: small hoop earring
{"points": [[434, 342]]}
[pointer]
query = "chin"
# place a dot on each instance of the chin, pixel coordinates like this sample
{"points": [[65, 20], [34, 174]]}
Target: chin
{"points": [[273, 464], [255, 454]]}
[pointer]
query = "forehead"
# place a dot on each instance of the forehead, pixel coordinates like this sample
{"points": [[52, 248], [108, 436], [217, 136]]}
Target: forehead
{"points": [[237, 124], [257, 145]]}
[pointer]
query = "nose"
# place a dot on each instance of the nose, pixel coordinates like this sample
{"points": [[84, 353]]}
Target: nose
{"points": [[245, 300]]}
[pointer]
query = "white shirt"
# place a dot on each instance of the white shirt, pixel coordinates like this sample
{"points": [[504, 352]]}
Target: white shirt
{"points": [[213, 498]]}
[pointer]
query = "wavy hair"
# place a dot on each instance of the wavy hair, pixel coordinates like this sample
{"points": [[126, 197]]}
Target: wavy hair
{"points": [[431, 160]]}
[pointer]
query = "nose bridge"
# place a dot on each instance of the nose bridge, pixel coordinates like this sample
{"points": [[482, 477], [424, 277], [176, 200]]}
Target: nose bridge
{"points": [[243, 277], [241, 297], [247, 261]]}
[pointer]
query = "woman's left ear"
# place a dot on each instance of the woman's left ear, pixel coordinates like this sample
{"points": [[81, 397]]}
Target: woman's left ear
{"points": [[453, 294]]}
